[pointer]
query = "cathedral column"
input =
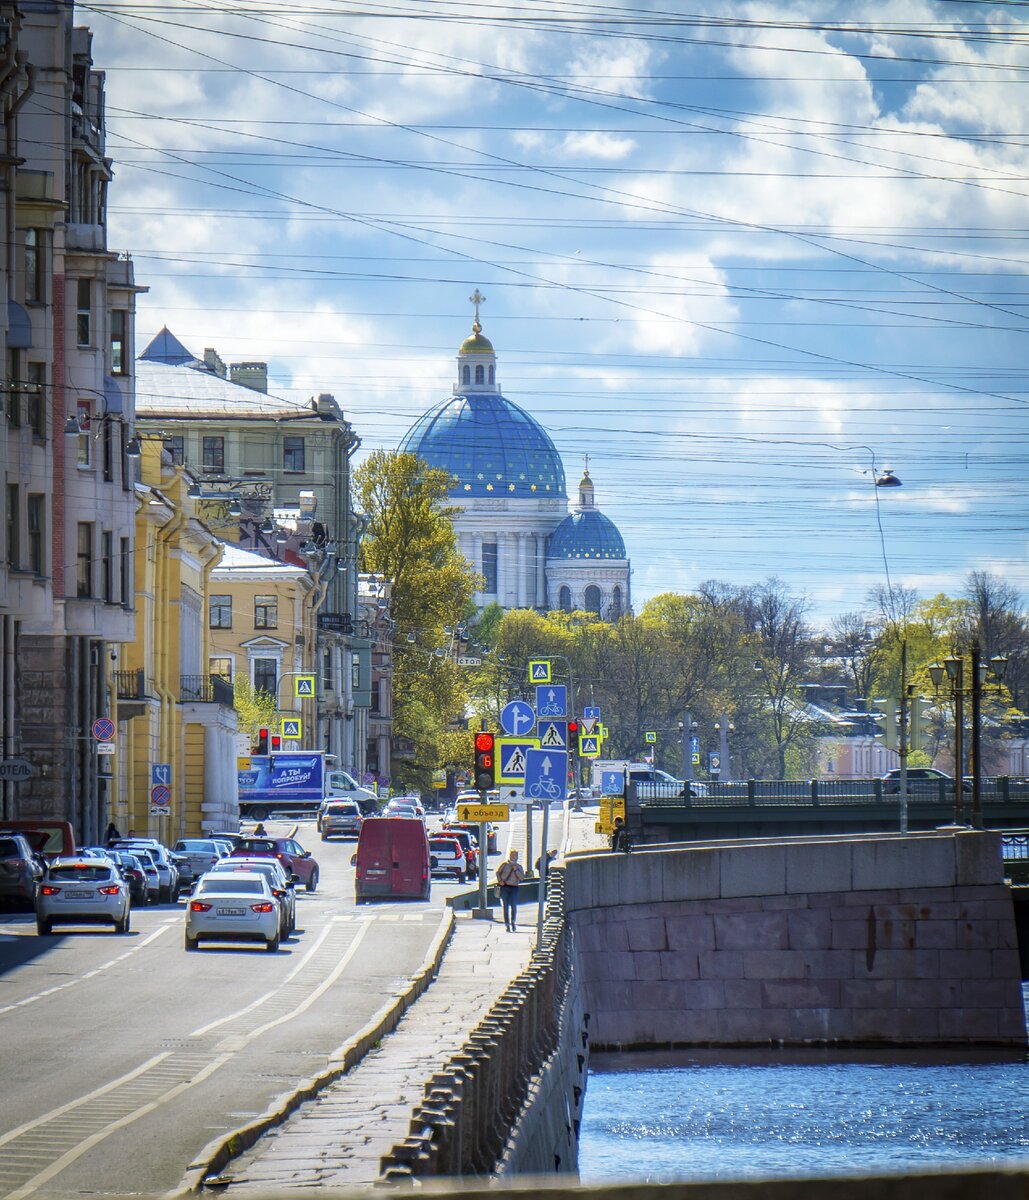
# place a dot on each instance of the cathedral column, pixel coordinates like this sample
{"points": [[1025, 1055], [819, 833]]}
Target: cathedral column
{"points": [[502, 568], [521, 539], [541, 564], [476, 558]]}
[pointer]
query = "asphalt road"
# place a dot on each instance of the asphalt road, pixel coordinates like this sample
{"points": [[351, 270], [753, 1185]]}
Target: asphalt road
{"points": [[124, 1056]]}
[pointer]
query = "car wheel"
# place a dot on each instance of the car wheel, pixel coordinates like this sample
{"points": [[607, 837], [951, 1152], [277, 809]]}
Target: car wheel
{"points": [[312, 883], [122, 926], [273, 946], [164, 895], [192, 943], [44, 928]]}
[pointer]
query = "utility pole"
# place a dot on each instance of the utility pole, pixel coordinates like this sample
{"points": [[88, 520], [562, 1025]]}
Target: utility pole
{"points": [[902, 735], [687, 747]]}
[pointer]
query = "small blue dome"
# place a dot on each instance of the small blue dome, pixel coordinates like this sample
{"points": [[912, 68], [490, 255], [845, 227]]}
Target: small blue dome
{"points": [[586, 535], [490, 445]]}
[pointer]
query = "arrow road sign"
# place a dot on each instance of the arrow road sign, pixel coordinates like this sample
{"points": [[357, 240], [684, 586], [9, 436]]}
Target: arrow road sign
{"points": [[546, 775], [511, 758], [539, 670], [517, 718], [160, 773], [553, 735], [612, 783], [551, 700]]}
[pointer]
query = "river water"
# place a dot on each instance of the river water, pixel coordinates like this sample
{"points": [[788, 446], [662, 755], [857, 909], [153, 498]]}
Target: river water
{"points": [[717, 1114]]}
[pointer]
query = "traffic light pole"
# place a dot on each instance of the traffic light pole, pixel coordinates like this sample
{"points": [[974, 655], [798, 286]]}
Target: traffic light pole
{"points": [[483, 912]]}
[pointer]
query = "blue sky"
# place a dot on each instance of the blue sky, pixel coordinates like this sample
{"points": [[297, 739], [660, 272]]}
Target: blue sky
{"points": [[730, 255]]}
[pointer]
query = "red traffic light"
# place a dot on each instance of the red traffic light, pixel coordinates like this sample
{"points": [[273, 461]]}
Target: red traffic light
{"points": [[573, 728], [276, 743], [261, 746], [484, 741], [484, 760]]}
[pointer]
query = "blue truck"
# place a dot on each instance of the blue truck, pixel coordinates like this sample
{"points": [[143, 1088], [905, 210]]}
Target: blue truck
{"points": [[291, 782]]}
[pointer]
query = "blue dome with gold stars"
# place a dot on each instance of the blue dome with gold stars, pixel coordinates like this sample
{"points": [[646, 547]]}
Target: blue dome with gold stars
{"points": [[586, 535]]}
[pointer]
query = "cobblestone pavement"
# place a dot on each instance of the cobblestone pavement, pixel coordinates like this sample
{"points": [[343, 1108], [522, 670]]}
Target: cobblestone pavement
{"points": [[337, 1139]]}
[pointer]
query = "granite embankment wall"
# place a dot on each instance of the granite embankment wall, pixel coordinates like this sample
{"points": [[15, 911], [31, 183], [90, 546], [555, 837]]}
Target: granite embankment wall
{"points": [[846, 940]]}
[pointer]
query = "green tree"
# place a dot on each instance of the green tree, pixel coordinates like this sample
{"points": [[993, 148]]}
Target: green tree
{"points": [[255, 709], [410, 541]]}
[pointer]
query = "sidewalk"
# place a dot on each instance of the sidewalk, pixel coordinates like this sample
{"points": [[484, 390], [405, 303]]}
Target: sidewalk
{"points": [[337, 1139]]}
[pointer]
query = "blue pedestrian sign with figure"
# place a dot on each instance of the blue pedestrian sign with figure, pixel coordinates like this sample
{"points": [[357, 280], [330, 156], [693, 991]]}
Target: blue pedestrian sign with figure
{"points": [[546, 774], [551, 700], [591, 714], [517, 718], [553, 735]]}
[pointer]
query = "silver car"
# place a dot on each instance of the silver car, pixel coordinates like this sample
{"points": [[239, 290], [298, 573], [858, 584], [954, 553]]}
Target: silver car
{"points": [[82, 891], [200, 853], [281, 880], [240, 907]]}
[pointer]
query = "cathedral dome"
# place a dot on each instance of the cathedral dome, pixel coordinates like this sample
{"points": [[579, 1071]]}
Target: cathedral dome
{"points": [[491, 446], [586, 535]]}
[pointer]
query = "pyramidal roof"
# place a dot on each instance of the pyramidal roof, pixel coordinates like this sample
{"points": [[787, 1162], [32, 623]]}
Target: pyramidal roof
{"points": [[165, 347]]}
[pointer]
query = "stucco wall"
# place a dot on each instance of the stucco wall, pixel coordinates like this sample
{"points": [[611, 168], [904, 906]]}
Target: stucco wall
{"points": [[859, 939]]}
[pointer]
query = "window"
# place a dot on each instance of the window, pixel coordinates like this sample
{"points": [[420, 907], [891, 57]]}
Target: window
{"points": [[266, 612], [13, 526], [221, 667], [355, 672], [220, 610], [36, 515], [175, 446], [591, 600], [84, 312], [119, 359], [13, 388], [107, 444], [35, 255], [84, 571], [489, 567], [35, 399], [492, 374], [266, 675], [616, 601], [107, 566], [214, 454], [293, 454], [327, 669], [564, 599], [125, 569], [84, 414], [466, 375], [480, 374]]}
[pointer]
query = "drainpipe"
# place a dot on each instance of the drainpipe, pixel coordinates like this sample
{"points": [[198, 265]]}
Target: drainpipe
{"points": [[167, 698]]}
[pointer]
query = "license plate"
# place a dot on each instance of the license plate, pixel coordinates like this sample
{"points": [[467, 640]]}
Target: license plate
{"points": [[79, 895], [230, 912]]}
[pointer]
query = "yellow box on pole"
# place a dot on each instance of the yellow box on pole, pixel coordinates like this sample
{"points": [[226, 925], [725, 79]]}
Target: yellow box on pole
{"points": [[483, 812]]}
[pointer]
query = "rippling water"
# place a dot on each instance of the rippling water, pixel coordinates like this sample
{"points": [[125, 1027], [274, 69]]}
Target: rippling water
{"points": [[723, 1114]]}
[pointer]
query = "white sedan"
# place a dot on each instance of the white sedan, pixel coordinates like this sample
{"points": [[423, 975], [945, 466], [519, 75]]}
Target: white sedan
{"points": [[240, 907]]}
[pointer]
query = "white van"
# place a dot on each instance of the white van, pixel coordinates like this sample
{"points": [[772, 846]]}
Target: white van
{"points": [[649, 779]]}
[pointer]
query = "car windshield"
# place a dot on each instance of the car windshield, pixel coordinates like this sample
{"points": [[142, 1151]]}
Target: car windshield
{"points": [[255, 846], [10, 848], [343, 810], [195, 845], [76, 873], [231, 884]]}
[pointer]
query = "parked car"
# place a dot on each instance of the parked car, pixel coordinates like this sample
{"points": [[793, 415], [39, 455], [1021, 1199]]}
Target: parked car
{"points": [[469, 845], [472, 828], [288, 851], [20, 871], [165, 867], [237, 908], [82, 891], [404, 808], [132, 870], [153, 877], [341, 818], [392, 860], [200, 853], [447, 858], [281, 881], [922, 781]]}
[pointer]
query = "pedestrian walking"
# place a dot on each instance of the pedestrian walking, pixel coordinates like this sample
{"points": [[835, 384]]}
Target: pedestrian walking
{"points": [[621, 839], [551, 855], [510, 874], [112, 834]]}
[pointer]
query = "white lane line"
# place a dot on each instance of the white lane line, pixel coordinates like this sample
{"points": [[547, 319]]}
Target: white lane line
{"points": [[60, 987], [66, 1159], [261, 1000]]}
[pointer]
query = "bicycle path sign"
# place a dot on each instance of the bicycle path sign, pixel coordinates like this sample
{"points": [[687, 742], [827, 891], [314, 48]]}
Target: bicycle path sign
{"points": [[546, 774], [551, 700]]}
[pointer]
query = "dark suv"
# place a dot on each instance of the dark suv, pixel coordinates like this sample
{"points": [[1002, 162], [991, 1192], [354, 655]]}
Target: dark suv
{"points": [[289, 852], [19, 872]]}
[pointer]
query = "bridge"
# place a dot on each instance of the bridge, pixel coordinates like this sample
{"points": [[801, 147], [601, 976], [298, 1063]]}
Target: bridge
{"points": [[781, 808]]}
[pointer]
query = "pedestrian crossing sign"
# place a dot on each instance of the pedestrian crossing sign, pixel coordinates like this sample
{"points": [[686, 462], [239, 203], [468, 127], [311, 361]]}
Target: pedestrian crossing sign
{"points": [[291, 727], [589, 746], [303, 685], [511, 752], [539, 670], [553, 735], [650, 738]]}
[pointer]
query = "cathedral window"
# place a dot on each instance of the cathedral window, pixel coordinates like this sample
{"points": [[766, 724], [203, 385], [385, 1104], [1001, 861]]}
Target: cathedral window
{"points": [[616, 602], [492, 374], [489, 567], [466, 375], [480, 374], [564, 599], [591, 601]]}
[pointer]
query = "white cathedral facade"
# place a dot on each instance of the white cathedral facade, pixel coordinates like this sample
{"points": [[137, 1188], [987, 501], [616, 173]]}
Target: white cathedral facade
{"points": [[517, 528]]}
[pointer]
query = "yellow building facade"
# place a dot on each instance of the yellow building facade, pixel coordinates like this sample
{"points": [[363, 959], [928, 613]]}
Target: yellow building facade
{"points": [[177, 729]]}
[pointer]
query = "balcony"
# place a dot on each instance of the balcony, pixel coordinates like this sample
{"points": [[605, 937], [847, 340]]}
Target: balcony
{"points": [[205, 689], [330, 622], [130, 685]]}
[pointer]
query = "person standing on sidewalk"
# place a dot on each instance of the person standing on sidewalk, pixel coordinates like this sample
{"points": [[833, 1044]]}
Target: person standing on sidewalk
{"points": [[510, 874]]}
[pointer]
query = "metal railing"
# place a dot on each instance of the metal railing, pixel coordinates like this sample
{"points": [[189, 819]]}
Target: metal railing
{"points": [[205, 689], [130, 685], [821, 792]]}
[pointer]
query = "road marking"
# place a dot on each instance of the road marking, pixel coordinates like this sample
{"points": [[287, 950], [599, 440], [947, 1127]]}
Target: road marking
{"points": [[60, 987]]}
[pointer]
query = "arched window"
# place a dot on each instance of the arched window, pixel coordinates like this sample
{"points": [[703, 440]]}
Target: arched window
{"points": [[616, 602], [564, 599], [480, 374], [492, 374], [591, 601], [466, 375]]}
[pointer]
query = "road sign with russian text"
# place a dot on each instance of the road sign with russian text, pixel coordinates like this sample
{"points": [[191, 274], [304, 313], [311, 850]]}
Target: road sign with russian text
{"points": [[483, 812]]}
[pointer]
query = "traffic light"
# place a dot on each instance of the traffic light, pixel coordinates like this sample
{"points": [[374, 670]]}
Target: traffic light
{"points": [[276, 743], [573, 732], [485, 761], [261, 745]]}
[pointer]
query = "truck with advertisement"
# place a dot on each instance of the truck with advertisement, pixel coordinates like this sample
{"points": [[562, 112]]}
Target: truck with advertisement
{"points": [[295, 783]]}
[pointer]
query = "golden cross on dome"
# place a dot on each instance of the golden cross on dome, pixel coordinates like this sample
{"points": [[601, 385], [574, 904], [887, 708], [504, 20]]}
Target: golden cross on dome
{"points": [[586, 464], [477, 298]]}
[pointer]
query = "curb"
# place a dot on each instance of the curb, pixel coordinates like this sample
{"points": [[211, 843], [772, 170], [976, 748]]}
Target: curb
{"points": [[218, 1153]]}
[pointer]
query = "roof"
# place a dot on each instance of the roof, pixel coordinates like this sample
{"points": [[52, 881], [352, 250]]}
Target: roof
{"points": [[490, 445], [586, 535], [235, 559]]}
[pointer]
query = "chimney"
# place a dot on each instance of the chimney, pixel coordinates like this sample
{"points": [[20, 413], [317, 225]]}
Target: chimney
{"points": [[252, 375], [214, 363]]}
